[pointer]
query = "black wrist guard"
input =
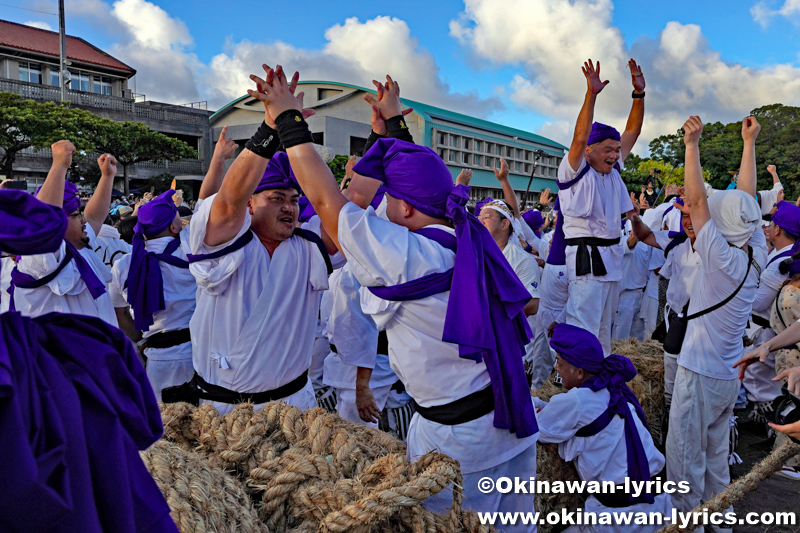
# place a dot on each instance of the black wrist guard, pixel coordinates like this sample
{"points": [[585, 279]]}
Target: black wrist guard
{"points": [[636, 95], [292, 128], [264, 142], [372, 139], [397, 129]]}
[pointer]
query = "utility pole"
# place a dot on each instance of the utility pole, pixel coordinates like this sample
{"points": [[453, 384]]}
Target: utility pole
{"points": [[62, 51]]}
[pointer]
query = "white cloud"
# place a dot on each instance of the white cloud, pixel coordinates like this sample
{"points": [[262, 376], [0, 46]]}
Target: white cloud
{"points": [[38, 24], [763, 14], [684, 75]]}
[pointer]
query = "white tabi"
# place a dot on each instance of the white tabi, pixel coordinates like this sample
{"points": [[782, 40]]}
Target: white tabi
{"points": [[165, 367], [706, 387], [109, 246], [592, 208], [355, 336], [381, 253], [600, 457], [758, 378], [253, 328], [626, 322], [67, 293]]}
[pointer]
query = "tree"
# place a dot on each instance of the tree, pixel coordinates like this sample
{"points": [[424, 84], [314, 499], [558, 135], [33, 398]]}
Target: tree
{"points": [[25, 124], [134, 142], [337, 166]]}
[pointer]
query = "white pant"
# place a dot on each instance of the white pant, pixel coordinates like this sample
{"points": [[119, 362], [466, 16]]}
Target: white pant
{"points": [[522, 466], [168, 367], [758, 378], [627, 309], [698, 437], [539, 351], [319, 352], [346, 406], [592, 305], [649, 314], [303, 399], [670, 370]]}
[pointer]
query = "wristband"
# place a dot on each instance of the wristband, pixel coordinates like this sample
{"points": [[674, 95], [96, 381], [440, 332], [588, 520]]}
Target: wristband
{"points": [[264, 142], [635, 96], [292, 128], [396, 128], [372, 139]]}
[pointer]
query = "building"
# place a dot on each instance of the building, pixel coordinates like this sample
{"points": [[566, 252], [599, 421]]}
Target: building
{"points": [[342, 122], [100, 83]]}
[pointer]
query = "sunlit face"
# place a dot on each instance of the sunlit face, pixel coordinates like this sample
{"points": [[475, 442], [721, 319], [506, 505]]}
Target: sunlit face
{"points": [[497, 224], [603, 155], [686, 222], [274, 213], [76, 230]]}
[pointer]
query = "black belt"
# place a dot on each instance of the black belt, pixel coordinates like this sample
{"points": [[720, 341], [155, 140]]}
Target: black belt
{"points": [[168, 339], [199, 389], [620, 498], [586, 263], [383, 344], [466, 409], [760, 321]]}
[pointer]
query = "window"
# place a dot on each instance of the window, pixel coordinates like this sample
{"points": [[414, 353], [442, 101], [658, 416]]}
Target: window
{"points": [[318, 138], [357, 145], [442, 153], [102, 85], [467, 143], [80, 81], [477, 146], [489, 161], [441, 139], [453, 140], [516, 166], [30, 72], [324, 94], [477, 160], [452, 156], [551, 172], [519, 154], [489, 148], [54, 81], [465, 158], [498, 150]]}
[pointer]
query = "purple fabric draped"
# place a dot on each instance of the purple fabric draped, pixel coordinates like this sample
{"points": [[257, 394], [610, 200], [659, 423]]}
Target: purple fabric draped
{"points": [[787, 217], [581, 349], [145, 283], [72, 197], [306, 209], [485, 291], [482, 203], [28, 226], [278, 175], [557, 256], [76, 409], [534, 219], [601, 132]]}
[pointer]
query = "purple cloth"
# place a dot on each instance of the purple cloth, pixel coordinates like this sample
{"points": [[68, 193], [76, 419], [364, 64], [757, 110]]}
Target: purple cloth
{"points": [[306, 209], [557, 256], [28, 226], [601, 132], [145, 284], [533, 218], [787, 217], [76, 409], [482, 203], [409, 172], [581, 349], [278, 175], [484, 313], [677, 237], [72, 198]]}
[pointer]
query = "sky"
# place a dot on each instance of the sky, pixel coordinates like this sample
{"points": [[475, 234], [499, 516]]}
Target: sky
{"points": [[515, 62]]}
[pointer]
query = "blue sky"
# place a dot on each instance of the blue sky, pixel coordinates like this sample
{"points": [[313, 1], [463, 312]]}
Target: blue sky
{"points": [[512, 61]]}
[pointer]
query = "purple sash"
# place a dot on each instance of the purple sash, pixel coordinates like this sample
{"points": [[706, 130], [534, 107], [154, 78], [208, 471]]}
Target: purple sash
{"points": [[579, 177], [484, 312], [787, 253], [558, 247], [617, 372]]}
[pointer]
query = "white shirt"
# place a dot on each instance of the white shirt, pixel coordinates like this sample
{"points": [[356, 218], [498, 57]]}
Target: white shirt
{"points": [[601, 457], [525, 267], [6, 266], [770, 198], [656, 261], [592, 208], [179, 286], [253, 327], [381, 253], [771, 282], [109, 246], [636, 263], [67, 293], [713, 342], [681, 269]]}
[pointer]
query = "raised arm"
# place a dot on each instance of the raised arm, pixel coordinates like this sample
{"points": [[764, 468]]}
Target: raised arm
{"points": [[508, 191], [636, 117], [640, 229], [98, 205], [774, 173], [696, 200], [747, 170], [223, 151], [52, 191], [583, 127]]}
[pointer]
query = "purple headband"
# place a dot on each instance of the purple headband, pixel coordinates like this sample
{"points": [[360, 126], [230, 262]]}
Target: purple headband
{"points": [[156, 215], [72, 198], [578, 347], [410, 172], [28, 226], [787, 217], [601, 132], [533, 218], [278, 175], [482, 203]]}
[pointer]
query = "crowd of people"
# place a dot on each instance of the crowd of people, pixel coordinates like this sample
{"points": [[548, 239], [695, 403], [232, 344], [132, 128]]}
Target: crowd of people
{"points": [[394, 300]]}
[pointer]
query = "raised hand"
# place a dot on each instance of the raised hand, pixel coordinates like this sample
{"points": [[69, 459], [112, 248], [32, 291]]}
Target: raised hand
{"points": [[225, 147], [637, 78], [62, 153], [348, 167], [692, 129], [277, 93], [502, 173], [387, 104], [771, 169], [750, 129], [780, 197], [464, 177], [593, 82], [544, 197], [107, 164]]}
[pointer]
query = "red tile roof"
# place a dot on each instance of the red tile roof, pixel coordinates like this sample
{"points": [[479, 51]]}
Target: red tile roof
{"points": [[45, 42]]}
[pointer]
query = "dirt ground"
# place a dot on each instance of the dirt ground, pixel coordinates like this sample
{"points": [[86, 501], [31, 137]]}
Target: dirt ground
{"points": [[774, 494]]}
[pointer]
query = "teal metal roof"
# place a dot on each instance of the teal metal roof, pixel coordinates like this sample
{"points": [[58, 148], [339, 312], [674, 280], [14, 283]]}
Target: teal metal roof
{"points": [[431, 114], [486, 178]]}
